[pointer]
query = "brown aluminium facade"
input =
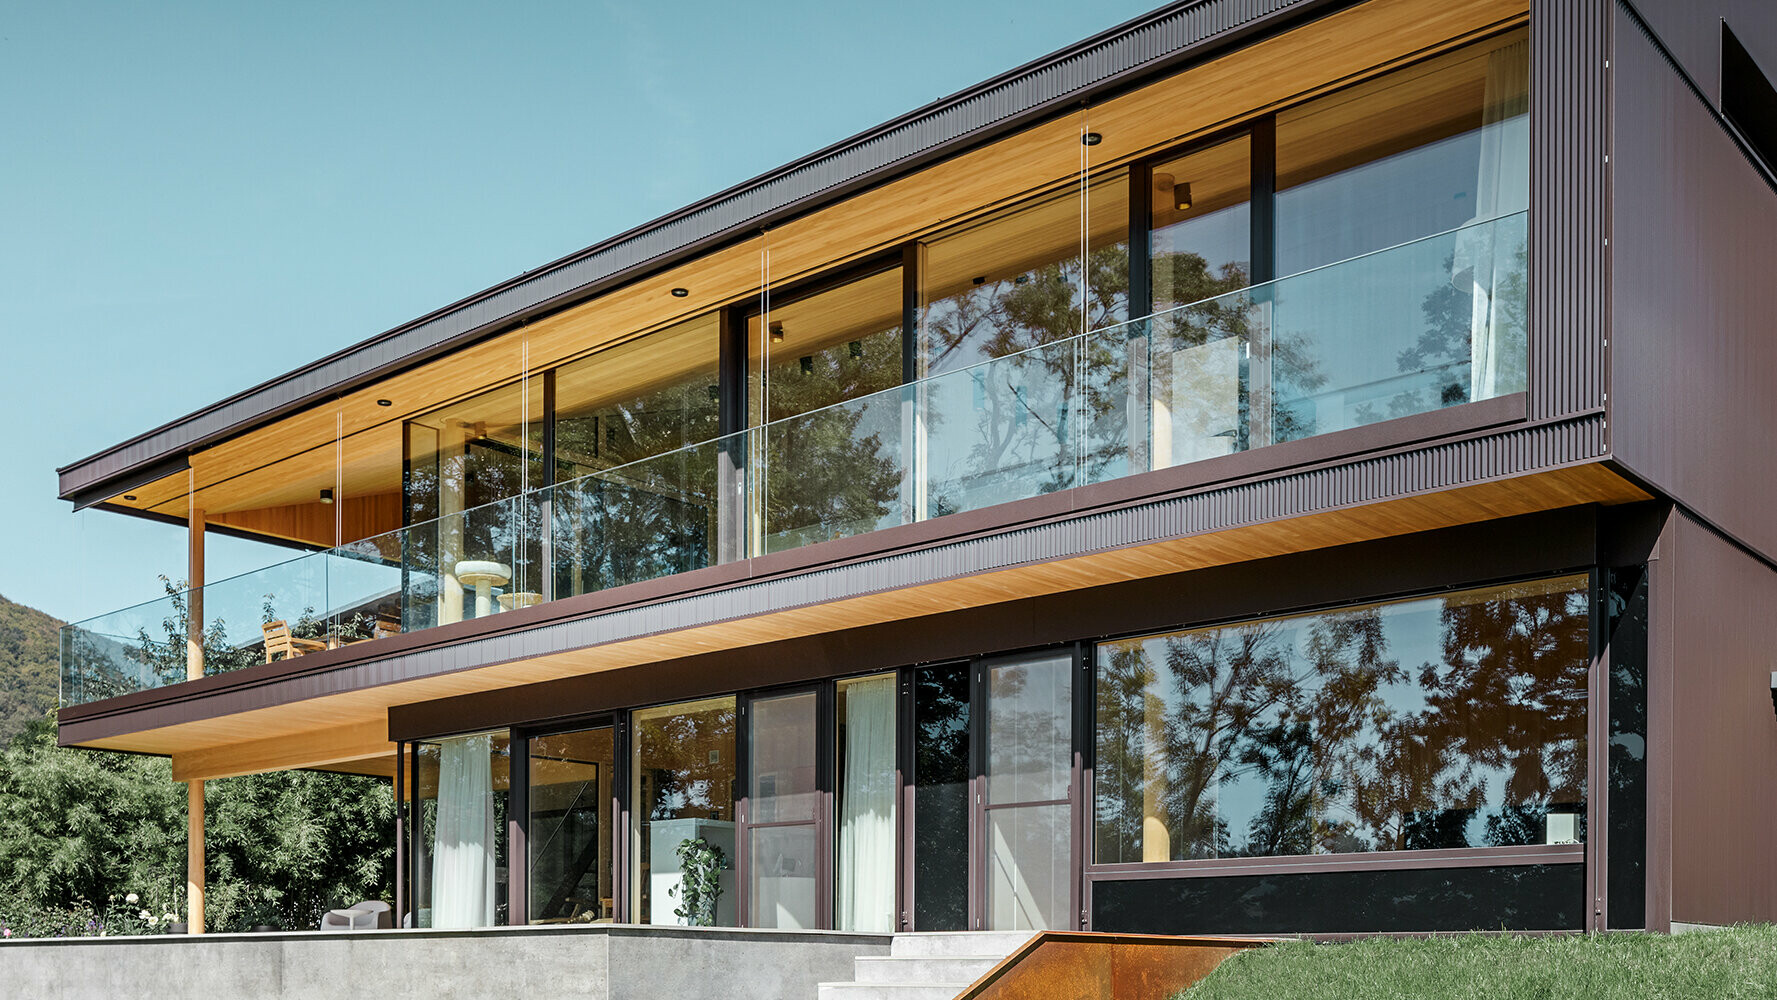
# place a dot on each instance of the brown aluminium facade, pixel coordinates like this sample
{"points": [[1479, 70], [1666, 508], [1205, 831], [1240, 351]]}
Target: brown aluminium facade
{"points": [[1222, 463]]}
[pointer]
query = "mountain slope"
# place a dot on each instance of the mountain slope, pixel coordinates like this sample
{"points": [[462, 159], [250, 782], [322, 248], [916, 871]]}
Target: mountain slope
{"points": [[29, 660]]}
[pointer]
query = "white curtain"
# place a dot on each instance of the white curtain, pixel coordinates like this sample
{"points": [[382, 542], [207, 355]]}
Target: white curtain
{"points": [[867, 808], [1486, 251], [463, 855]]}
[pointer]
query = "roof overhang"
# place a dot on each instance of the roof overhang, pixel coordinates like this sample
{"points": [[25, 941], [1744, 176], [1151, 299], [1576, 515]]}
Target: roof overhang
{"points": [[1164, 40]]}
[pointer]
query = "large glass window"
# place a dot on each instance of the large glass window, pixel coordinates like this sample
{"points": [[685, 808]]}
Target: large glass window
{"points": [[460, 838], [683, 791], [571, 794], [1015, 404], [1447, 722], [1200, 247], [865, 804], [783, 805], [831, 463], [1433, 160], [477, 545], [637, 497]]}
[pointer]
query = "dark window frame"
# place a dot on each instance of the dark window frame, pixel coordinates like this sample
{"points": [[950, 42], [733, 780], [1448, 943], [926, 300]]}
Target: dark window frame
{"points": [[1534, 854]]}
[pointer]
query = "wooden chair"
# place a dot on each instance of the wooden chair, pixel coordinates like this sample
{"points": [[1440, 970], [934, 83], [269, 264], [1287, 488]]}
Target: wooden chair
{"points": [[279, 641]]}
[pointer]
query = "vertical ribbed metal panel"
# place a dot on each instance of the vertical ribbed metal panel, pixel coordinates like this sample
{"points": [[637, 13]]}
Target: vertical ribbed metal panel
{"points": [[1569, 204]]}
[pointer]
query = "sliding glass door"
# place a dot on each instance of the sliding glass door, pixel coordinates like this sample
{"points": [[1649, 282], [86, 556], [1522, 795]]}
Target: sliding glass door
{"points": [[1028, 823], [782, 816], [572, 786], [682, 791]]}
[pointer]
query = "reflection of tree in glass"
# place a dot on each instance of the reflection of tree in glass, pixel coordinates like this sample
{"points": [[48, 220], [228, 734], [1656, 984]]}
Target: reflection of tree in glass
{"points": [[835, 471], [1021, 439], [1444, 351], [1351, 750], [1217, 305], [676, 749]]}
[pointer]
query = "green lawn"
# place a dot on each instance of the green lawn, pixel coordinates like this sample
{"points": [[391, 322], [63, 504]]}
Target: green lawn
{"points": [[1718, 965]]}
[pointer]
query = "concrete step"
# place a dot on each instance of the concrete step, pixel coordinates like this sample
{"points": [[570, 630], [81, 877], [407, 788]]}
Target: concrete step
{"points": [[923, 969], [891, 991], [973, 944]]}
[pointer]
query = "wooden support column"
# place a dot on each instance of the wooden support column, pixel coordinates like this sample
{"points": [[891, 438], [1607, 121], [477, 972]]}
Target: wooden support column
{"points": [[194, 668]]}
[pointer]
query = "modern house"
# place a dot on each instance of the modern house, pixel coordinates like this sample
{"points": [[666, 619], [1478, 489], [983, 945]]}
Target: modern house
{"points": [[1277, 466]]}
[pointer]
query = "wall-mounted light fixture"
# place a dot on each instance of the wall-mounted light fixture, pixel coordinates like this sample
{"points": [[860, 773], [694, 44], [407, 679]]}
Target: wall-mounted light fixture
{"points": [[326, 496], [777, 333], [679, 293]]}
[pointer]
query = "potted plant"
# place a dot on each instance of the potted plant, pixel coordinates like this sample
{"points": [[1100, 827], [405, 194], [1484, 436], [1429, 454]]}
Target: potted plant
{"points": [[701, 864]]}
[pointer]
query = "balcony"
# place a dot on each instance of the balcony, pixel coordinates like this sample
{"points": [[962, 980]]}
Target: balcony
{"points": [[1393, 334]]}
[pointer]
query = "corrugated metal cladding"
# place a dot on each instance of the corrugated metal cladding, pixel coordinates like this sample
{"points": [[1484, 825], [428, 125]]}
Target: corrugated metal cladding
{"points": [[1070, 75], [1443, 466], [1569, 204]]}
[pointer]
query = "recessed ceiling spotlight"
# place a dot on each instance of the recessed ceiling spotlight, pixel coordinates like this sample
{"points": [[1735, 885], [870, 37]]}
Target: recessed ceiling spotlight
{"points": [[385, 402], [1091, 139], [129, 496], [679, 293]]}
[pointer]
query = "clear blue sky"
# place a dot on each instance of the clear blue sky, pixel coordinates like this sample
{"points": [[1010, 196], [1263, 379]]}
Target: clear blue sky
{"points": [[195, 197]]}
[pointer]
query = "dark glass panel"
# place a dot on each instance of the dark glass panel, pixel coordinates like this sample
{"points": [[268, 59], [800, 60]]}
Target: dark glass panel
{"points": [[941, 798], [1627, 863], [1523, 897], [1436, 723], [570, 838]]}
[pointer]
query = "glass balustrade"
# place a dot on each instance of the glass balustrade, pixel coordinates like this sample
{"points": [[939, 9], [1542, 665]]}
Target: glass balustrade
{"points": [[1402, 331]]}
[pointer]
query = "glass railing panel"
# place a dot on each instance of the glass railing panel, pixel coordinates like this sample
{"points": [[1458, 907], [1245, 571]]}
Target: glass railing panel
{"points": [[1402, 331], [834, 472], [124, 651], [464, 565], [241, 612], [1418, 327], [1000, 430], [1192, 378], [662, 515], [1413, 328]]}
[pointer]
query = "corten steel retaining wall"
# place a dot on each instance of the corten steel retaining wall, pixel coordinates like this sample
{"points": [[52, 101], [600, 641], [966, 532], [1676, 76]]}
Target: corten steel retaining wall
{"points": [[606, 963]]}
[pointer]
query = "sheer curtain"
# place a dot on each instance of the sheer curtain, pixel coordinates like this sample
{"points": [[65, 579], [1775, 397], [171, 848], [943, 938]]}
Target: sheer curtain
{"points": [[867, 808], [463, 856], [1486, 255]]}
